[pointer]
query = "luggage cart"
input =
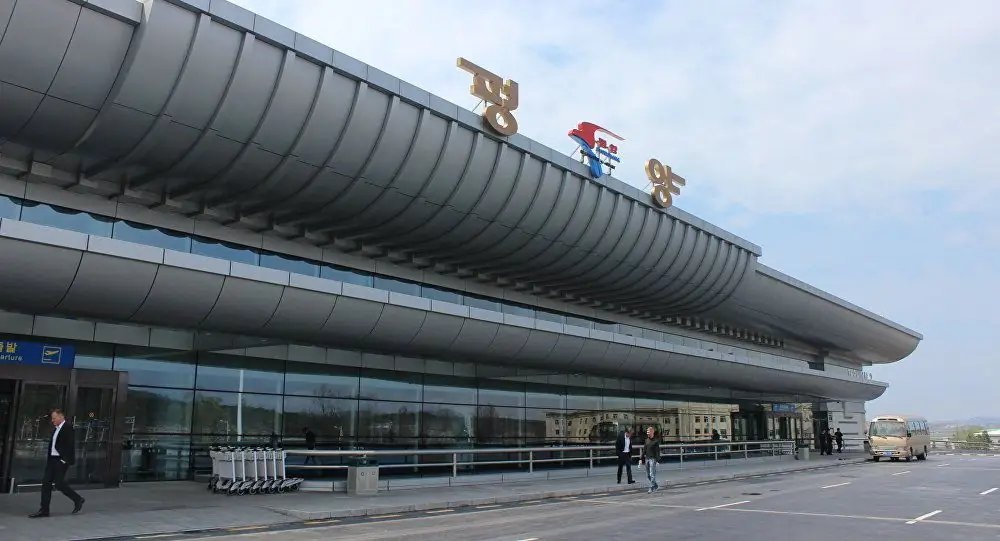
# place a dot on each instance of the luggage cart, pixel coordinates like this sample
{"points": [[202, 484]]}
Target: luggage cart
{"points": [[287, 484]]}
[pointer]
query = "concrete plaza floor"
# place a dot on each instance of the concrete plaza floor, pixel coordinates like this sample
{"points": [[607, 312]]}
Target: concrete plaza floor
{"points": [[136, 510]]}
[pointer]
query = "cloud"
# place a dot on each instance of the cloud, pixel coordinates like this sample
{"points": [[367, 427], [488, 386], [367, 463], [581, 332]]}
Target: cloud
{"points": [[789, 108]]}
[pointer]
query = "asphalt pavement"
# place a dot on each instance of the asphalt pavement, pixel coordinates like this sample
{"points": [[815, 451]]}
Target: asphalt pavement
{"points": [[943, 498]]}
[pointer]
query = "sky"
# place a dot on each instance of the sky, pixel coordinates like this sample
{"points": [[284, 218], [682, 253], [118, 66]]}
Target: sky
{"points": [[857, 142]]}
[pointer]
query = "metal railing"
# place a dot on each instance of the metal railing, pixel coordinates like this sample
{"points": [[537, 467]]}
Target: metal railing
{"points": [[972, 446], [590, 456]]}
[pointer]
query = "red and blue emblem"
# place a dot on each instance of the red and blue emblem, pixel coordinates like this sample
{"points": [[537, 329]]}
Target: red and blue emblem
{"points": [[597, 150]]}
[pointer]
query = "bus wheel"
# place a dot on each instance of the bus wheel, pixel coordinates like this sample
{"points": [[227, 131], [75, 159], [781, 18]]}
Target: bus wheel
{"points": [[875, 458], [922, 456]]}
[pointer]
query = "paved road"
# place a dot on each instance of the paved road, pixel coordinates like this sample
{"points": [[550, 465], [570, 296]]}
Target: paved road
{"points": [[944, 498]]}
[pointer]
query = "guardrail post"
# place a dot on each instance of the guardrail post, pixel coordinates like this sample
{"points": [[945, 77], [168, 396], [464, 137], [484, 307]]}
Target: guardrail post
{"points": [[454, 464], [682, 455], [531, 462], [715, 452], [746, 451], [591, 453]]}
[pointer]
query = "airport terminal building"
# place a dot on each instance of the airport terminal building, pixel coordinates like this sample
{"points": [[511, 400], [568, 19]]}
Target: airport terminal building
{"points": [[213, 228]]}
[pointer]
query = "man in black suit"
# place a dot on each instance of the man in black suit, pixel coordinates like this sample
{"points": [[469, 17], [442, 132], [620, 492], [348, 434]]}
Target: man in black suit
{"points": [[624, 449], [61, 455]]}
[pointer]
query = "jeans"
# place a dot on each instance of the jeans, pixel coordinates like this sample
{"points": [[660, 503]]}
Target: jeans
{"points": [[651, 473]]}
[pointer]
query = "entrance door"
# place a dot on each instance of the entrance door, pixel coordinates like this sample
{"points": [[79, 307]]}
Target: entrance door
{"points": [[7, 387], [93, 421], [32, 430]]}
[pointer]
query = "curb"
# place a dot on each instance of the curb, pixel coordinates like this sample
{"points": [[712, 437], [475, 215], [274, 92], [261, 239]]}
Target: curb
{"points": [[544, 495]]}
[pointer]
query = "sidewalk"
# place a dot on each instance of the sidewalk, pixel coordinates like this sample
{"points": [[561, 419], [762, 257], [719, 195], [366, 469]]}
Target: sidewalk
{"points": [[155, 508]]}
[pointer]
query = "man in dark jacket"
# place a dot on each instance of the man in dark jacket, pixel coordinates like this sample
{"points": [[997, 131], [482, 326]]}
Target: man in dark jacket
{"points": [[651, 457], [61, 455], [839, 437], [624, 449]]}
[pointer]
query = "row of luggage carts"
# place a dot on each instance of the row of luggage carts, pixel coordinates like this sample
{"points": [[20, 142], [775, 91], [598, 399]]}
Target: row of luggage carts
{"points": [[250, 470]]}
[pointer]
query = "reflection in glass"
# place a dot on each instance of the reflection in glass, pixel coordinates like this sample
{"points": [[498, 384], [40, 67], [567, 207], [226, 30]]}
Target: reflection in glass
{"points": [[242, 374], [499, 425], [513, 309], [158, 411], [447, 425], [550, 400], [545, 315], [482, 303], [63, 218], [150, 457], [147, 367], [223, 250], [579, 322], [93, 362], [33, 430], [233, 416], [449, 390], [512, 396], [310, 379], [388, 423], [288, 264], [151, 236], [544, 426], [396, 386], [346, 276], [9, 208], [334, 421]]}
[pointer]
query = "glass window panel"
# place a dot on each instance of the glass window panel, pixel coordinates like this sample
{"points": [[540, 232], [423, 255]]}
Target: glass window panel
{"points": [[445, 390], [440, 294], [151, 236], [618, 403], [343, 357], [649, 404], [579, 322], [630, 330], [652, 335], [509, 396], [394, 386], [544, 427], [606, 327], [518, 310], [550, 400], [218, 372], [290, 264], [150, 367], [499, 425], [148, 457], [224, 250], [346, 276], [321, 380], [94, 356], [482, 303], [10, 208], [550, 316], [387, 423], [582, 401], [332, 420], [397, 286], [151, 410], [63, 218], [233, 415], [444, 425]]}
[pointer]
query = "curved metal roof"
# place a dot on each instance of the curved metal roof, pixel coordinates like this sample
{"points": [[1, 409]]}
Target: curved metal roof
{"points": [[213, 111]]}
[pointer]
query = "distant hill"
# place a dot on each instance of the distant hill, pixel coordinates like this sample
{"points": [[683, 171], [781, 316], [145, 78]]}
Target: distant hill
{"points": [[988, 422]]}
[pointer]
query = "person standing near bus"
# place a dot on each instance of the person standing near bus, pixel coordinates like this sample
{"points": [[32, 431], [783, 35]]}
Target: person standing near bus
{"points": [[839, 437]]}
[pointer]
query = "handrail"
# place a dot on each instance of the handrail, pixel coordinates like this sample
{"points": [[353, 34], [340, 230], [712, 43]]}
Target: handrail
{"points": [[590, 454]]}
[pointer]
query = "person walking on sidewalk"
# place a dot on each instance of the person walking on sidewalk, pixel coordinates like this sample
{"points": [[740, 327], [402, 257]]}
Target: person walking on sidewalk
{"points": [[651, 457], [60, 456], [624, 449], [839, 437]]}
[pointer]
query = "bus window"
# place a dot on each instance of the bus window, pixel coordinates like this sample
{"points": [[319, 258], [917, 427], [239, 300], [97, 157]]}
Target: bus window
{"points": [[887, 429]]}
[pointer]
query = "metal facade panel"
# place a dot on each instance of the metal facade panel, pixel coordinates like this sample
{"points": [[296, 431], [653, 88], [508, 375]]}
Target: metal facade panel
{"points": [[35, 277], [92, 61], [437, 333], [474, 338], [108, 287], [301, 313], [243, 305], [396, 327], [43, 27], [352, 320], [508, 343], [179, 297]]}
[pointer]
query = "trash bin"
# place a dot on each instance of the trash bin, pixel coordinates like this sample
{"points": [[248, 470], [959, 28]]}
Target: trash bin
{"points": [[362, 476], [803, 451]]}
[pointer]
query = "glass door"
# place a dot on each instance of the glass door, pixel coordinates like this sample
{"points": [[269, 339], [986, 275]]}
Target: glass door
{"points": [[33, 429], [93, 422], [6, 414]]}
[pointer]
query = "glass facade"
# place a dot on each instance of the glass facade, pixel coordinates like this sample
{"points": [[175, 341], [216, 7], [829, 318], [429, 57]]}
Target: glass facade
{"points": [[91, 224], [180, 402]]}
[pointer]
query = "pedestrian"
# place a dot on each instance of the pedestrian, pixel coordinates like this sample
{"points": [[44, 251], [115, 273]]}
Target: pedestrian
{"points": [[623, 446], [61, 455], [310, 444], [827, 442], [651, 457], [839, 436]]}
